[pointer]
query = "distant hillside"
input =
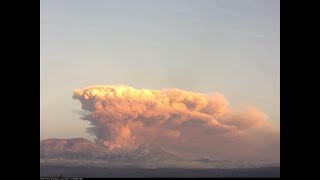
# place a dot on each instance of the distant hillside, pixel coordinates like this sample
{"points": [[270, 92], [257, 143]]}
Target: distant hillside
{"points": [[82, 149], [76, 148], [81, 152]]}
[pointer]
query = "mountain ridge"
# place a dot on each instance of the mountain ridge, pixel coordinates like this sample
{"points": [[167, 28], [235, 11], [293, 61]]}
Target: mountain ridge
{"points": [[80, 148], [81, 152]]}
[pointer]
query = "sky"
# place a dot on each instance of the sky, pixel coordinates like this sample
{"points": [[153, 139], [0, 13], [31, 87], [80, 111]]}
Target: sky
{"points": [[226, 46]]}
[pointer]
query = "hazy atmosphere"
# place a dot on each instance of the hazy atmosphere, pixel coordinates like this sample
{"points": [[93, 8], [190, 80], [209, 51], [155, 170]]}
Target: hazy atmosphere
{"points": [[198, 77]]}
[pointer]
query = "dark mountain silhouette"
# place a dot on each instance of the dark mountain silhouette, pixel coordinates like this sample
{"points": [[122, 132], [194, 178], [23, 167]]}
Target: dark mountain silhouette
{"points": [[81, 152], [75, 148], [152, 152], [82, 149]]}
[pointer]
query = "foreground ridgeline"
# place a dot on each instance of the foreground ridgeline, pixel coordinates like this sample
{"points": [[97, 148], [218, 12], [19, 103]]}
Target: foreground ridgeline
{"points": [[81, 152]]}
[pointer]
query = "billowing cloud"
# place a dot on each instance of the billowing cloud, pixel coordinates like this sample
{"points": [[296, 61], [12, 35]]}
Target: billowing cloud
{"points": [[123, 117]]}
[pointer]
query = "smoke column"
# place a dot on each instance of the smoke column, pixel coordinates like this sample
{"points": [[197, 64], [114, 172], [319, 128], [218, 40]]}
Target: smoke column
{"points": [[122, 116]]}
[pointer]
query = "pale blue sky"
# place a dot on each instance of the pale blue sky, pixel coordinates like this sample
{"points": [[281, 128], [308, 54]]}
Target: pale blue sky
{"points": [[227, 46]]}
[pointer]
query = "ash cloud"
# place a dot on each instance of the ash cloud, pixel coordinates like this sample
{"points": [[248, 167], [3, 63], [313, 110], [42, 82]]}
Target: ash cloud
{"points": [[187, 122]]}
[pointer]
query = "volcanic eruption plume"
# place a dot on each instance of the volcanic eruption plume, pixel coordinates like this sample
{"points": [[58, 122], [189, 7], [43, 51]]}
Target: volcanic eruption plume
{"points": [[123, 116]]}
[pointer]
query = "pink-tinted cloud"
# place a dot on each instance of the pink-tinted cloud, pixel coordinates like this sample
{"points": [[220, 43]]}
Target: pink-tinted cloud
{"points": [[123, 117]]}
